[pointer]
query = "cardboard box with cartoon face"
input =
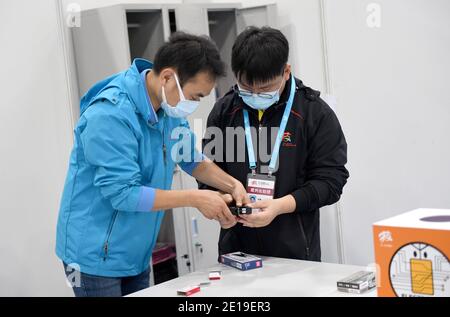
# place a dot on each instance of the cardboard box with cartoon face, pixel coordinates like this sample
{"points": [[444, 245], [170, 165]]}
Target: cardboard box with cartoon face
{"points": [[412, 253]]}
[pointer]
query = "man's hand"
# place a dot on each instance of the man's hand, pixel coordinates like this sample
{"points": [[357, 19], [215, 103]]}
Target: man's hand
{"points": [[226, 224], [227, 198], [210, 174], [213, 205], [269, 210], [240, 195]]}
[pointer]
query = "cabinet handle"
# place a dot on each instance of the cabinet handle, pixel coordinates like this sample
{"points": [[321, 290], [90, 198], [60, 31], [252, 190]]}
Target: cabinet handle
{"points": [[199, 245]]}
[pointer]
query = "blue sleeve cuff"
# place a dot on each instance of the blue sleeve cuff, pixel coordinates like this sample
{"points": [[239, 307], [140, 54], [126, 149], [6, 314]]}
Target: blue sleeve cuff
{"points": [[191, 166], [146, 199]]}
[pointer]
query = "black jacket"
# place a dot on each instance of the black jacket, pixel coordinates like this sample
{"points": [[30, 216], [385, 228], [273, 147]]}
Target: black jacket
{"points": [[310, 167]]}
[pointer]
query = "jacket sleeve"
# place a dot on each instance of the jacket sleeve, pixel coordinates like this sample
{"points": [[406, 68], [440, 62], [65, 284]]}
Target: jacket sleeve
{"points": [[326, 174], [188, 161], [111, 148]]}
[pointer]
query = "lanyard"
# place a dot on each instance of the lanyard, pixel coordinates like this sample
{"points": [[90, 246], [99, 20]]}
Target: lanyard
{"points": [[276, 148]]}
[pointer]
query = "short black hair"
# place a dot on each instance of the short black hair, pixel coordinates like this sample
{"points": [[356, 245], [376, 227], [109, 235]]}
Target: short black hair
{"points": [[259, 54], [189, 54]]}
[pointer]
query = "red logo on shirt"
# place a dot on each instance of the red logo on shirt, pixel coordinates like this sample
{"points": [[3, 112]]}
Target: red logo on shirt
{"points": [[287, 140]]}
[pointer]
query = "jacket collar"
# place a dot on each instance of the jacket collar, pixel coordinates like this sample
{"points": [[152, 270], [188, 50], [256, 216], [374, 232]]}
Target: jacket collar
{"points": [[136, 88]]}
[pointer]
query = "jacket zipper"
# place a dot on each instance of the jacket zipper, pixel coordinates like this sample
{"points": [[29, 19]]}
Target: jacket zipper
{"points": [[108, 235], [302, 229]]}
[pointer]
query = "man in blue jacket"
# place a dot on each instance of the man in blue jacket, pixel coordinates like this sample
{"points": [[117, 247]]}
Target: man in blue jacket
{"points": [[131, 134]]}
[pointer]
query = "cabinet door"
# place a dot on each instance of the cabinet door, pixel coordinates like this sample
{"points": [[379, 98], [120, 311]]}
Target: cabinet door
{"points": [[203, 234], [101, 45], [256, 16], [192, 19], [146, 32], [182, 230]]}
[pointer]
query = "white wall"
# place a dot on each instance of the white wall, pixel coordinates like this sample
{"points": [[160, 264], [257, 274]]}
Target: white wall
{"points": [[35, 137], [392, 89]]}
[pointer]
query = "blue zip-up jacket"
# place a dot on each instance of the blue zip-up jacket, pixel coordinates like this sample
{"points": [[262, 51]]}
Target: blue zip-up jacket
{"points": [[123, 151]]}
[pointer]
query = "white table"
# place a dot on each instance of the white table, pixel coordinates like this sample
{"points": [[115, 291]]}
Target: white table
{"points": [[277, 278]]}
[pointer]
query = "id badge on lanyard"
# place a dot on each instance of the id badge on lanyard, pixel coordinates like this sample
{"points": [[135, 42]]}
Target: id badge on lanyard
{"points": [[261, 186]]}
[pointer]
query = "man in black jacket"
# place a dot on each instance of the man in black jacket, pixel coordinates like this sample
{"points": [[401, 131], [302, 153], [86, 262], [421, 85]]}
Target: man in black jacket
{"points": [[304, 168]]}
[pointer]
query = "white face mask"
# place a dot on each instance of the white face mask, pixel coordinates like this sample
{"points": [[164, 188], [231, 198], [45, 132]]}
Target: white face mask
{"points": [[184, 107]]}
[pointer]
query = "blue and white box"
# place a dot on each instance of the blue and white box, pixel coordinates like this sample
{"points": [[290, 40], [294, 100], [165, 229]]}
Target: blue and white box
{"points": [[241, 261]]}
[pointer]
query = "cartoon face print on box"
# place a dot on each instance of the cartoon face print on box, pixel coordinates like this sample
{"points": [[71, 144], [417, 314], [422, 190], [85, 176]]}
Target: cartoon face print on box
{"points": [[419, 269]]}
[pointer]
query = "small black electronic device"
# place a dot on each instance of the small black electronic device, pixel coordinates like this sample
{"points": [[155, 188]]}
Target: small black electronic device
{"points": [[237, 211]]}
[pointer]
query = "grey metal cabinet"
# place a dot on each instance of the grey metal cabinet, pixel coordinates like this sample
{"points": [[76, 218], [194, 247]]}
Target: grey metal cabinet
{"points": [[110, 37]]}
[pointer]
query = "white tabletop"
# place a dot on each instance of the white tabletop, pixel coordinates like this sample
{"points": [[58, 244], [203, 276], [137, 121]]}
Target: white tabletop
{"points": [[277, 278]]}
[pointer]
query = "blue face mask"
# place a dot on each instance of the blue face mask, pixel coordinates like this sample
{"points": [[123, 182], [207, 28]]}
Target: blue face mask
{"points": [[260, 103], [184, 107]]}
